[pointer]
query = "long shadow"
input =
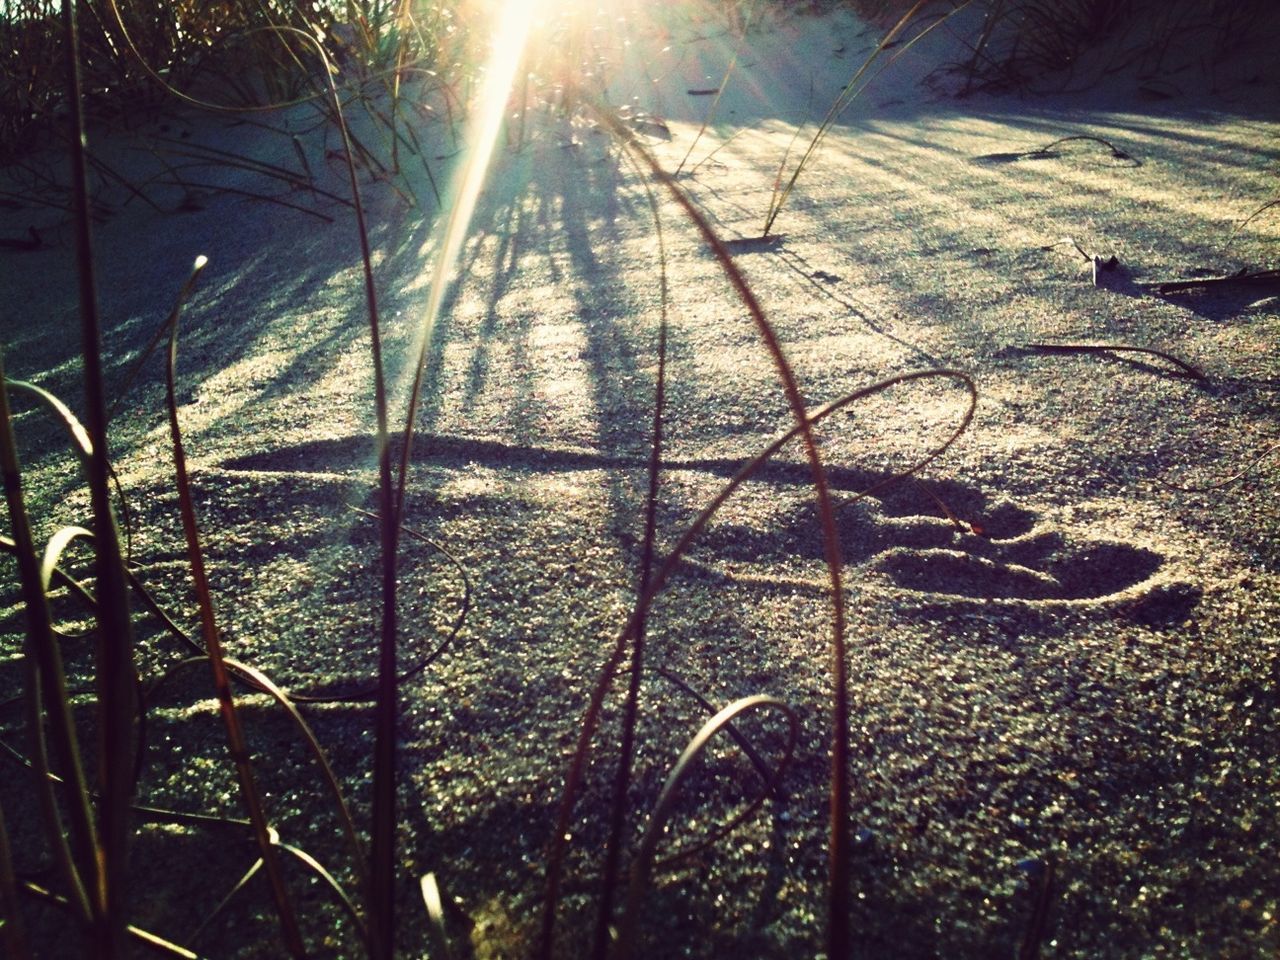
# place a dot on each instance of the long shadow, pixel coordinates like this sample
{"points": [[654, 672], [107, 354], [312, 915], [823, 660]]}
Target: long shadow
{"points": [[350, 453]]}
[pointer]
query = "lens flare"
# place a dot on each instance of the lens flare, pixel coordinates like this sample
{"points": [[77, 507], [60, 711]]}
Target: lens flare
{"points": [[513, 20]]}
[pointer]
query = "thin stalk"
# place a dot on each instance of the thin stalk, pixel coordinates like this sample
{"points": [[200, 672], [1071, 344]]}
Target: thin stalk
{"points": [[711, 112], [404, 19], [115, 673], [631, 708], [728, 140], [990, 21], [573, 778], [213, 645], [838, 932], [13, 933], [838, 940], [381, 891], [850, 93]]}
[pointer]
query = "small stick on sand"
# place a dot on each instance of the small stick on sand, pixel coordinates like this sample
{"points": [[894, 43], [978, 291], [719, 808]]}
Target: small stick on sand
{"points": [[1117, 348], [1222, 484]]}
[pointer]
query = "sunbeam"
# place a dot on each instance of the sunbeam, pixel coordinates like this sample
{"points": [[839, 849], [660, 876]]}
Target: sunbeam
{"points": [[512, 22]]}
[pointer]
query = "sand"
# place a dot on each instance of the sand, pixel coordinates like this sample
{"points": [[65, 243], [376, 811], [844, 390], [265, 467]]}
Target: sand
{"points": [[1077, 667]]}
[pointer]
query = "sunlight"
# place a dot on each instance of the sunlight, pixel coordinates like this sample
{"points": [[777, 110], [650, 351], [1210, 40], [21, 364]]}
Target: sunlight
{"points": [[512, 22]]}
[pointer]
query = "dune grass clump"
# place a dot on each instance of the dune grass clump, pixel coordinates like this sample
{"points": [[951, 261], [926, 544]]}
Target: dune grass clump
{"points": [[141, 60], [124, 42], [1049, 44]]}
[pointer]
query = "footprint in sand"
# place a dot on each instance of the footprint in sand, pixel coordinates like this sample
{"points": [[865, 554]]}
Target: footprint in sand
{"points": [[1048, 569], [1045, 566], [1021, 559]]}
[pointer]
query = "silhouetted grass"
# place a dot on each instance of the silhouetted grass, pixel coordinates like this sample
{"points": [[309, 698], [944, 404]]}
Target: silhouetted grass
{"points": [[1055, 44]]}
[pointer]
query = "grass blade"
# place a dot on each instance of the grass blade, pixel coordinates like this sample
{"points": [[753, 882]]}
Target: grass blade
{"points": [[115, 658], [622, 779], [573, 777], [837, 916], [13, 934], [381, 890], [848, 95], [627, 934], [710, 114], [46, 685], [213, 644]]}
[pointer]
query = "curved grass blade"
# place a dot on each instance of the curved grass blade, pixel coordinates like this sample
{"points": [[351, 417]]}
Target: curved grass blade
{"points": [[848, 95], [260, 681], [170, 322], [64, 579], [80, 440], [57, 545], [257, 680], [213, 644], [46, 683], [348, 905], [640, 869], [743, 743], [771, 780], [381, 889], [709, 115], [194, 935], [49, 569], [81, 443]]}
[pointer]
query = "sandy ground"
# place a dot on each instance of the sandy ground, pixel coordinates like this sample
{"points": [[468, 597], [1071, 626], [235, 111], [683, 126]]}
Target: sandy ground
{"points": [[1081, 669]]}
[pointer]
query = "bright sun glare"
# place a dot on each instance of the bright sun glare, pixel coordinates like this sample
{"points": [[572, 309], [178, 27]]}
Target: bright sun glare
{"points": [[512, 21], [528, 35]]}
